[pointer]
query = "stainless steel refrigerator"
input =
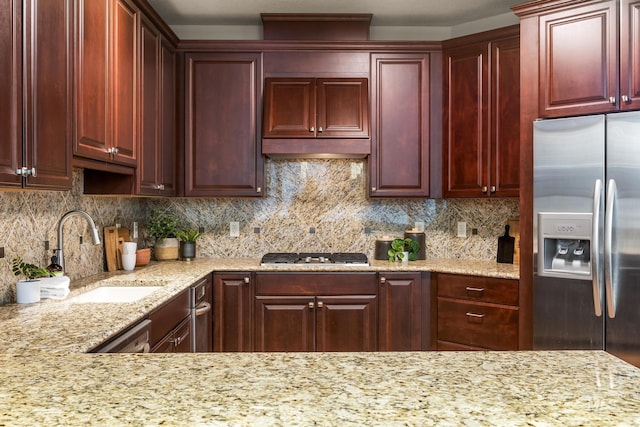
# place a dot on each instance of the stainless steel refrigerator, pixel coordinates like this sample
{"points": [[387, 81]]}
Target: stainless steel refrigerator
{"points": [[587, 234]]}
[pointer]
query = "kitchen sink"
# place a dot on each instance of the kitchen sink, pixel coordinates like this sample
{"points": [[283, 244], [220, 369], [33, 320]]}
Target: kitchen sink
{"points": [[116, 294]]}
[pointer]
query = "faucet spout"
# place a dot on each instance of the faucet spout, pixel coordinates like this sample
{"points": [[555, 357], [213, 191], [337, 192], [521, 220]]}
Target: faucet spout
{"points": [[95, 235]]}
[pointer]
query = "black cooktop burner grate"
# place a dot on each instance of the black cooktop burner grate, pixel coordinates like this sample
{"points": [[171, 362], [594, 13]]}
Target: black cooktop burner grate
{"points": [[315, 258]]}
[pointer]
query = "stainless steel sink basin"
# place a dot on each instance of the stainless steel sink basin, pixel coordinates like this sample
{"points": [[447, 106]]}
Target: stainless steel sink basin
{"points": [[116, 294]]}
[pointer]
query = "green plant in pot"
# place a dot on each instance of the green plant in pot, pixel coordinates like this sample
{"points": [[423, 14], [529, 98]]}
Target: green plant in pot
{"points": [[403, 250], [28, 289], [163, 227], [188, 237]]}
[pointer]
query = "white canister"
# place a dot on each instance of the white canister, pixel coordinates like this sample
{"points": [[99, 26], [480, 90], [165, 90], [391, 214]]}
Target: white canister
{"points": [[27, 291]]}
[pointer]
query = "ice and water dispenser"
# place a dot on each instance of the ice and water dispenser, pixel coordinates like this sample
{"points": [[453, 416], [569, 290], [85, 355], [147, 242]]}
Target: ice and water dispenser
{"points": [[564, 245]]}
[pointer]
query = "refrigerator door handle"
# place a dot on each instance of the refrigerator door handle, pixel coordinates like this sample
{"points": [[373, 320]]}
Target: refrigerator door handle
{"points": [[608, 255], [595, 248]]}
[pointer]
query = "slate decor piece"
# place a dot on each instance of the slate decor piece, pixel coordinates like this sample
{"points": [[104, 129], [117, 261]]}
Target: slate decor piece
{"points": [[506, 246]]}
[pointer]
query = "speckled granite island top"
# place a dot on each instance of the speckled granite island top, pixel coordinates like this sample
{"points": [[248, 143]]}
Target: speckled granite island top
{"points": [[326, 389]]}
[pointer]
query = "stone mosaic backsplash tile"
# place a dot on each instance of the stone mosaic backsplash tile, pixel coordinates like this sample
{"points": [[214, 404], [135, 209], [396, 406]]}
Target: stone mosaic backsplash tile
{"points": [[327, 197]]}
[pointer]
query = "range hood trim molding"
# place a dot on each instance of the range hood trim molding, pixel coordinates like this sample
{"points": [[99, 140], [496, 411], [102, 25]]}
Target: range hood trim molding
{"points": [[330, 148]]}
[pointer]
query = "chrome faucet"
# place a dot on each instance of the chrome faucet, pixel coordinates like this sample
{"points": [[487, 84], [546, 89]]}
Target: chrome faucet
{"points": [[94, 233]]}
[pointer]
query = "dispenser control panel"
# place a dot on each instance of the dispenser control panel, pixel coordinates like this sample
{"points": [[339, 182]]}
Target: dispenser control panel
{"points": [[564, 245]]}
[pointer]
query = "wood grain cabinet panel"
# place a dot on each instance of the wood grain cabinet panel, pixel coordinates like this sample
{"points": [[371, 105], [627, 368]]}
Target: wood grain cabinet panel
{"points": [[629, 54], [233, 295], [400, 312], [481, 127], [222, 148], [477, 313], [578, 70], [401, 121], [106, 80], [36, 109], [157, 144]]}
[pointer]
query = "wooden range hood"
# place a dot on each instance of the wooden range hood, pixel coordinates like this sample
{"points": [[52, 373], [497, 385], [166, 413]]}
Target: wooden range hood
{"points": [[323, 115]]}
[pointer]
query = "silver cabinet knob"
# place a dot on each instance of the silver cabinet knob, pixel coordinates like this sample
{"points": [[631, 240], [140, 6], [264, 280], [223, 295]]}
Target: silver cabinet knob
{"points": [[493, 188], [373, 188], [320, 129], [383, 280], [246, 280], [320, 304], [259, 190], [612, 100], [312, 129], [24, 171], [311, 305], [484, 188], [625, 99]]}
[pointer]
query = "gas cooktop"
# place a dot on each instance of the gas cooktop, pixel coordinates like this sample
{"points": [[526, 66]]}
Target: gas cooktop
{"points": [[315, 258]]}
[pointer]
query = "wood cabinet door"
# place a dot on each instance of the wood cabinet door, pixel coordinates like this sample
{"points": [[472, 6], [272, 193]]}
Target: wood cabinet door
{"points": [[578, 60], [223, 154], [400, 316], [91, 76], [124, 34], [342, 108], [400, 114], [346, 323], [47, 93], [465, 124], [11, 90], [167, 138], [504, 180], [289, 108], [148, 169], [176, 341], [629, 54], [232, 312], [285, 323]]}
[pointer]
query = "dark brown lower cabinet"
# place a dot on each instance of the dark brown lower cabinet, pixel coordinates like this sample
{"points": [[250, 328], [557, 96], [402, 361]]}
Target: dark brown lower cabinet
{"points": [[233, 311], [316, 312], [316, 323], [170, 326], [400, 314], [477, 313]]}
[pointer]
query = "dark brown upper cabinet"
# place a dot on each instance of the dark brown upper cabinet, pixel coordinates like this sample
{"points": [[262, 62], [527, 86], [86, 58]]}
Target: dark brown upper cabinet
{"points": [[222, 144], [36, 104], [589, 55], [401, 117], [306, 116], [106, 83], [481, 115], [157, 149]]}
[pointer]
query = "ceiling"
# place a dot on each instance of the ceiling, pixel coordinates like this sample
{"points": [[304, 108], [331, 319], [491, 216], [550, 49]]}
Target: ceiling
{"points": [[428, 13]]}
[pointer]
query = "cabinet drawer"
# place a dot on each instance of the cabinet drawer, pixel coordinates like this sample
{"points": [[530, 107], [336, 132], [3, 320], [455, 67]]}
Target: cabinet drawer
{"points": [[481, 289], [489, 326], [300, 284], [168, 316]]}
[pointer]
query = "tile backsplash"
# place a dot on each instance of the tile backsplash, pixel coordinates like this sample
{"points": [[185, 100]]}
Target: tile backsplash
{"points": [[315, 205]]}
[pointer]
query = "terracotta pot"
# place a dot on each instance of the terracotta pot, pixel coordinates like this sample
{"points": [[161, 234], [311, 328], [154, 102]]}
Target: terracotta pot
{"points": [[142, 257], [166, 249]]}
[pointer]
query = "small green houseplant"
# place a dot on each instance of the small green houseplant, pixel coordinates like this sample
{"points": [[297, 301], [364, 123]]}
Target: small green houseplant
{"points": [[188, 237], [27, 290], [163, 227], [403, 250]]}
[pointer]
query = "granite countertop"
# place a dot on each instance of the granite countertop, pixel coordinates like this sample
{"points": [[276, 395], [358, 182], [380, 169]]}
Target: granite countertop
{"points": [[67, 327], [326, 389]]}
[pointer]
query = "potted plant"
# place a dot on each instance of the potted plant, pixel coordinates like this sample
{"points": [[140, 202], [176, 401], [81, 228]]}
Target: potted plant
{"points": [[163, 227], [403, 250], [27, 290], [188, 237]]}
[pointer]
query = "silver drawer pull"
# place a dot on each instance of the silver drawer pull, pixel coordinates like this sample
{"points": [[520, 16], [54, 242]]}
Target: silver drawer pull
{"points": [[474, 317], [474, 290]]}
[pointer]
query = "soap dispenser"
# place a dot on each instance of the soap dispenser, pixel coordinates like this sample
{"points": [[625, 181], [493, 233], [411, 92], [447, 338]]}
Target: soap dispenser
{"points": [[54, 268]]}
